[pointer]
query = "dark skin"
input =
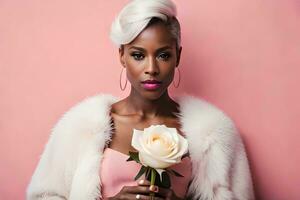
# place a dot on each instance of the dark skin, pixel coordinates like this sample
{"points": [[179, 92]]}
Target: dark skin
{"points": [[152, 55]]}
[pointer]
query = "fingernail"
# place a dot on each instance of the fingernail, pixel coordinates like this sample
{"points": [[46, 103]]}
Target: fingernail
{"points": [[141, 182], [153, 188]]}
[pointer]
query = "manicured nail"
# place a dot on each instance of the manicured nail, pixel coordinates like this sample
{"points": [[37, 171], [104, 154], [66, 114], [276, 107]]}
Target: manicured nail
{"points": [[141, 182], [153, 188]]}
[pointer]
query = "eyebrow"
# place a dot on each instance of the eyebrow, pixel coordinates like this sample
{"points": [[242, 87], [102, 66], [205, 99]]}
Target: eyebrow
{"points": [[142, 49]]}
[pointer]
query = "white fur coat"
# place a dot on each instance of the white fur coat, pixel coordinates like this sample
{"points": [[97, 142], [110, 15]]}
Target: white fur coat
{"points": [[69, 166]]}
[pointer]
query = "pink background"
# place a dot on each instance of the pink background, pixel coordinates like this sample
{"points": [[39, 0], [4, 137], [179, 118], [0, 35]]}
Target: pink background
{"points": [[243, 56]]}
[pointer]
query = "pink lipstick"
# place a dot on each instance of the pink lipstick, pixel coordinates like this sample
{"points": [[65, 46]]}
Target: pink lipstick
{"points": [[151, 84]]}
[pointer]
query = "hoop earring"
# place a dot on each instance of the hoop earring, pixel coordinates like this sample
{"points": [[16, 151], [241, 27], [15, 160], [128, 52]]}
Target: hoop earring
{"points": [[176, 86], [122, 88]]}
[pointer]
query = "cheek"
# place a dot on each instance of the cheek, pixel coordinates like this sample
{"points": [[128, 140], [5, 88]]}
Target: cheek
{"points": [[133, 70], [171, 76], [168, 73]]}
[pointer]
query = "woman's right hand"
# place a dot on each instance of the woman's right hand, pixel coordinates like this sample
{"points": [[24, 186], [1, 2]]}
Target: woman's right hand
{"points": [[141, 191]]}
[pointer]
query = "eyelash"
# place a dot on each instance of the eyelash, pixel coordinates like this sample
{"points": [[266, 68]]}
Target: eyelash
{"points": [[140, 56], [137, 56], [166, 56]]}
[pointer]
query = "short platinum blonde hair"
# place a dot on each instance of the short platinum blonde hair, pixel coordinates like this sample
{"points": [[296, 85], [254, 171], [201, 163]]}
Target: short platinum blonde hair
{"points": [[137, 14]]}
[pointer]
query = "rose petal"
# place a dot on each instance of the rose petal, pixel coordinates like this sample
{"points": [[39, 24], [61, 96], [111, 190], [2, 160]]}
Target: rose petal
{"points": [[175, 140], [183, 148], [148, 160], [135, 142], [159, 146], [155, 141], [159, 158]]}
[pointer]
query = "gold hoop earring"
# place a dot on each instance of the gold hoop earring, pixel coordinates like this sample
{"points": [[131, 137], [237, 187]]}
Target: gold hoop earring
{"points": [[176, 86], [122, 88]]}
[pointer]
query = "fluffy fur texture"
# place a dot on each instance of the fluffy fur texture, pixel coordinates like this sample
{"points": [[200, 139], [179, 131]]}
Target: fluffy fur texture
{"points": [[70, 164]]}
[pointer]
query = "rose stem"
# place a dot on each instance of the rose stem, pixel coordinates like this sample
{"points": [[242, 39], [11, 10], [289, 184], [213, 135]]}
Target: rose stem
{"points": [[152, 182]]}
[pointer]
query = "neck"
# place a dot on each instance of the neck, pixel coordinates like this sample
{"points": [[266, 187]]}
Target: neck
{"points": [[148, 108]]}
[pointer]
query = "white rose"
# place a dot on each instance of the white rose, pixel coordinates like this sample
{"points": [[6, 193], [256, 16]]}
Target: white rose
{"points": [[159, 146]]}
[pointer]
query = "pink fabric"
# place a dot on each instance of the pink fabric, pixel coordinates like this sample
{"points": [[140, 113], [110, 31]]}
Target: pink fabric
{"points": [[116, 172]]}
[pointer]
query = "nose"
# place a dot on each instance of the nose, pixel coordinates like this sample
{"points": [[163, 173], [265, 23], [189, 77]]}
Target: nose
{"points": [[152, 67]]}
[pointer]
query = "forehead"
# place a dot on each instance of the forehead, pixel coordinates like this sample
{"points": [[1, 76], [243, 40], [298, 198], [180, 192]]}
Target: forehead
{"points": [[154, 36]]}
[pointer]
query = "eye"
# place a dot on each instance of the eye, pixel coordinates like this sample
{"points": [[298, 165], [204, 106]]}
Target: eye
{"points": [[137, 55], [164, 56]]}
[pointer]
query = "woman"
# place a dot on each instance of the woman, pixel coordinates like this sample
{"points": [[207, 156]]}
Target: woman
{"points": [[85, 157]]}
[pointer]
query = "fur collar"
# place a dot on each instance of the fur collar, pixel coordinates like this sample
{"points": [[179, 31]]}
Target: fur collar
{"points": [[77, 141]]}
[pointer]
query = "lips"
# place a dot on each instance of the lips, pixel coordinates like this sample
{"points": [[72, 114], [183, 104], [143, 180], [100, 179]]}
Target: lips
{"points": [[151, 84]]}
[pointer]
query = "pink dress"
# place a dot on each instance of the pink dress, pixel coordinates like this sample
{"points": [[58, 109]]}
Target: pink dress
{"points": [[116, 172]]}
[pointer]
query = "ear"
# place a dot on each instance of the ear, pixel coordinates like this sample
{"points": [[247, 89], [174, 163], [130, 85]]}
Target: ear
{"points": [[121, 55], [178, 56]]}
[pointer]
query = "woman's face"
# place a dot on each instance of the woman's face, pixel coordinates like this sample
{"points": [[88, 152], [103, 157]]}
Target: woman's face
{"points": [[151, 56]]}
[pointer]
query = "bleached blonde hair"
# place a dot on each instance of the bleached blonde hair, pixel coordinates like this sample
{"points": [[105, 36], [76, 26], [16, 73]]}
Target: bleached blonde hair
{"points": [[137, 14]]}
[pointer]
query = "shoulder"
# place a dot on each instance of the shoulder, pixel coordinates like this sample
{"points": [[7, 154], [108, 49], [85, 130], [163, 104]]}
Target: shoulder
{"points": [[205, 122], [85, 122], [196, 111], [216, 149], [90, 106], [198, 107], [87, 116]]}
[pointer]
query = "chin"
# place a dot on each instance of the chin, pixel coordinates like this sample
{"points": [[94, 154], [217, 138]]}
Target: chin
{"points": [[152, 95], [148, 94]]}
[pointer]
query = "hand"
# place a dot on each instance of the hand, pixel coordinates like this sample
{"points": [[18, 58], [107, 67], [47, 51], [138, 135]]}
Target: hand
{"points": [[160, 193], [141, 191]]}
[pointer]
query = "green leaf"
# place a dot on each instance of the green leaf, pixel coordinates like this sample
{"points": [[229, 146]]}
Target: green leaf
{"points": [[133, 156], [141, 172], [129, 159], [147, 175], [166, 182], [185, 155], [176, 173]]}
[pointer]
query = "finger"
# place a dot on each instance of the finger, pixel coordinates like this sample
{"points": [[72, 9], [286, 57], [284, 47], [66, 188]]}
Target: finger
{"points": [[163, 192], [155, 198], [136, 189], [144, 197], [144, 182], [154, 188]]}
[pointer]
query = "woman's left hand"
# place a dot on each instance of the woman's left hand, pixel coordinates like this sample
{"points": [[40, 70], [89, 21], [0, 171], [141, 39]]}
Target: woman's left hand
{"points": [[165, 193]]}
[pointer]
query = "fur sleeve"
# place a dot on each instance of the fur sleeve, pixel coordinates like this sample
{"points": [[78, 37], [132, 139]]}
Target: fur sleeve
{"points": [[47, 181], [220, 165], [69, 165], [53, 176]]}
